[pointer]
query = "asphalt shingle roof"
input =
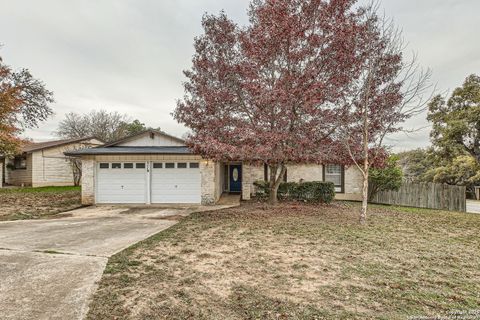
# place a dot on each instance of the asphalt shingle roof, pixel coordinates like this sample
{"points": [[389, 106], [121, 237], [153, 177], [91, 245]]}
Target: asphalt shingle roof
{"points": [[130, 150], [34, 146]]}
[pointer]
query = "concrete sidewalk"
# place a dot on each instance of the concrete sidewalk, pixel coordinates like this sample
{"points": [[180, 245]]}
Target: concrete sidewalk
{"points": [[473, 206]]}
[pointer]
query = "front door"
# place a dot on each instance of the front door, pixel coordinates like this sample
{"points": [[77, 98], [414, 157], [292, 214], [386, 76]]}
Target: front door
{"points": [[236, 178]]}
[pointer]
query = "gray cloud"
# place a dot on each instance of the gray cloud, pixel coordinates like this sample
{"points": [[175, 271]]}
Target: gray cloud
{"points": [[129, 55]]}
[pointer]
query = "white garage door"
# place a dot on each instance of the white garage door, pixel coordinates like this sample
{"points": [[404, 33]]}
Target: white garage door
{"points": [[133, 182], [175, 182], [119, 182]]}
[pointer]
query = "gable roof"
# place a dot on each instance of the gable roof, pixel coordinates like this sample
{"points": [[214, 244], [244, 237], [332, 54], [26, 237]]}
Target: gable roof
{"points": [[133, 137], [35, 146], [116, 147]]}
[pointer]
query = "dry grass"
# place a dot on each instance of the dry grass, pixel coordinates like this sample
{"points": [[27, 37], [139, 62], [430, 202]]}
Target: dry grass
{"points": [[298, 262], [34, 203]]}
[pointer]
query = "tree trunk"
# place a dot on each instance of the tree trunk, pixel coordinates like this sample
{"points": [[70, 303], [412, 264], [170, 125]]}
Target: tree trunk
{"points": [[76, 166], [366, 160], [366, 167], [77, 178], [363, 212], [273, 200], [274, 181]]}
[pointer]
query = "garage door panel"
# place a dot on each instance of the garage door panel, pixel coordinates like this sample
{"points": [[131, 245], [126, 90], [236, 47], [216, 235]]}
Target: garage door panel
{"points": [[134, 186], [186, 192], [121, 185], [176, 185], [175, 193], [121, 178], [169, 185], [177, 177]]}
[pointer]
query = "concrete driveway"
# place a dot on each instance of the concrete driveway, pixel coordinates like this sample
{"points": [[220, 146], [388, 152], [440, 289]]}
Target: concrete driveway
{"points": [[49, 268], [473, 206]]}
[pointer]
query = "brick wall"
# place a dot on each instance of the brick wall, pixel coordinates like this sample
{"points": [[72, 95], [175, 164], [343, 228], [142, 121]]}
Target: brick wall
{"points": [[307, 172], [218, 180], [207, 170], [247, 183], [88, 181]]}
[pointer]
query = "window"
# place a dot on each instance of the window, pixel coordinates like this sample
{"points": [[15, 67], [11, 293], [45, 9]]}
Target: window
{"points": [[20, 162], [116, 165], [334, 173], [104, 165], [169, 165], [194, 165], [140, 165], [181, 165], [157, 165], [128, 166]]}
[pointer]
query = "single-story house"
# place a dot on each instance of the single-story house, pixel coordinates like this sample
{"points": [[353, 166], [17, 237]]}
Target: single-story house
{"points": [[43, 163], [156, 168]]}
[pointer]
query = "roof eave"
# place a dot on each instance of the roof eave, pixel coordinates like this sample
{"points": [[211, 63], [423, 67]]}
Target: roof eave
{"points": [[69, 154], [61, 144]]}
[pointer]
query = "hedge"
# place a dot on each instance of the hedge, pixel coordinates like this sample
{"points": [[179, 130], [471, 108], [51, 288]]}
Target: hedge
{"points": [[316, 191]]}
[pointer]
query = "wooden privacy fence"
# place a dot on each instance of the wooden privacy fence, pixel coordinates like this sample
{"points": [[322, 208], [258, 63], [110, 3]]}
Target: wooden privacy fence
{"points": [[425, 195]]}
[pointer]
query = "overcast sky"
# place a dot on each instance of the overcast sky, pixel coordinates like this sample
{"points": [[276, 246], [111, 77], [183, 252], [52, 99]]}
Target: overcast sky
{"points": [[128, 56]]}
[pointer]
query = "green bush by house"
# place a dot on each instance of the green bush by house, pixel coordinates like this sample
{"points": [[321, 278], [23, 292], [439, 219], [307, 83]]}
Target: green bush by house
{"points": [[316, 191]]}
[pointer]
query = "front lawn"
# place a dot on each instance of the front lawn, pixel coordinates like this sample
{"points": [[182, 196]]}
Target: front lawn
{"points": [[33, 203], [298, 262]]}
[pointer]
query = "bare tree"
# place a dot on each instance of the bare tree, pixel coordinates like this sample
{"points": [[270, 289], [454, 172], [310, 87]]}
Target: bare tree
{"points": [[107, 126], [389, 91], [76, 163]]}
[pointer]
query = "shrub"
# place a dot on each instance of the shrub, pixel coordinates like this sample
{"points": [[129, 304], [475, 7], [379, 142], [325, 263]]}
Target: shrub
{"points": [[317, 191], [383, 179]]}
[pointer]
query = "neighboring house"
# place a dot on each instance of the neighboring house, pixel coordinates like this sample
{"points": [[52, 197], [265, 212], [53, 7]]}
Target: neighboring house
{"points": [[43, 164], [156, 168]]}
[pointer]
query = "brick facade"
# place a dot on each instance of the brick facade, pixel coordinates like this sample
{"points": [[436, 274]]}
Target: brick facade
{"points": [[88, 181], [209, 182], [247, 182]]}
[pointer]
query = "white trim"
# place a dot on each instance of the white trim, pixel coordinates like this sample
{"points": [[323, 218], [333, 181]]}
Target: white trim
{"points": [[148, 190], [96, 165]]}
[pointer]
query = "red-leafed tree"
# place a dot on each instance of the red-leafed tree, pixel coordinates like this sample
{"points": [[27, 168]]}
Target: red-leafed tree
{"points": [[389, 90], [269, 92], [23, 104]]}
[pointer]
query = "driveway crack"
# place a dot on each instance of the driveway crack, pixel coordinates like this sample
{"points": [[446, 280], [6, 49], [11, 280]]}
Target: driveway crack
{"points": [[55, 252]]}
